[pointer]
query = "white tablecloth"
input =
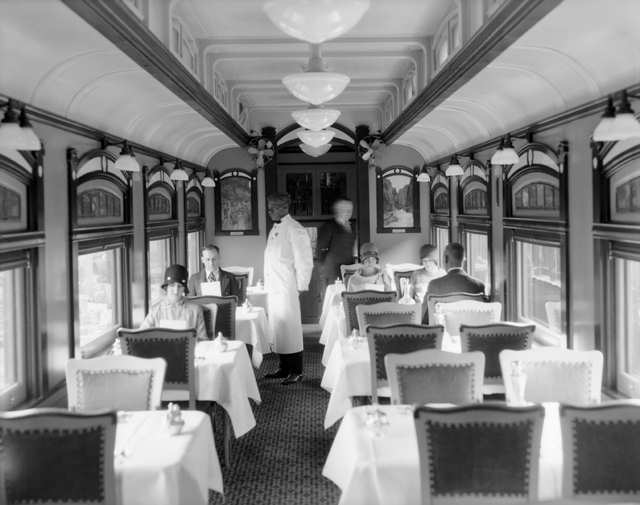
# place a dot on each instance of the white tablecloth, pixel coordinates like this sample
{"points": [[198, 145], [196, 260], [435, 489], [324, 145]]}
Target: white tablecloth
{"points": [[227, 379], [347, 374], [151, 466], [332, 295], [253, 328], [334, 329], [257, 296], [385, 470]]}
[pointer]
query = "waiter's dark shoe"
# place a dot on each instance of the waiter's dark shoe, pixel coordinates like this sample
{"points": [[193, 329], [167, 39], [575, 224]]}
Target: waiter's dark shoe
{"points": [[292, 378], [278, 374]]}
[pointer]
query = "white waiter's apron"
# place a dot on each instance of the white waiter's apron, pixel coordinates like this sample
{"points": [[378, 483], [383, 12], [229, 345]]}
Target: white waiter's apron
{"points": [[288, 262]]}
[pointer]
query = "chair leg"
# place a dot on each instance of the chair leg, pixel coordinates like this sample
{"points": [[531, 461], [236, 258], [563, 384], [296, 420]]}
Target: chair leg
{"points": [[227, 439]]}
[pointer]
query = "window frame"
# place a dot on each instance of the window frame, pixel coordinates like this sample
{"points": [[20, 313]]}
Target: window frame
{"points": [[166, 234], [465, 230]]}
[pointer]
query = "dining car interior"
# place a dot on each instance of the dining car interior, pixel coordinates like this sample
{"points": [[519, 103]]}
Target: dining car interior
{"points": [[323, 252]]}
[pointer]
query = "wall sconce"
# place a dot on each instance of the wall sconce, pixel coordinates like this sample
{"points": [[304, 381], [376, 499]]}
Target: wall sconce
{"points": [[617, 125], [261, 149], [178, 173], [506, 154], [454, 167], [207, 181], [16, 131], [127, 160], [423, 174]]}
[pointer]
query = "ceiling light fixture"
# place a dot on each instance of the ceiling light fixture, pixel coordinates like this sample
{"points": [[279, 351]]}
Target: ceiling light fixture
{"points": [[454, 167], [506, 154], [315, 151], [16, 131], [127, 161], [620, 125], [315, 20], [315, 85], [178, 173], [207, 181], [315, 139], [315, 118], [423, 176]]}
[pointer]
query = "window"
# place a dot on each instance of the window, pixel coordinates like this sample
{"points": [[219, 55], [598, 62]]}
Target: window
{"points": [[442, 239], [12, 337], [539, 286], [193, 252], [159, 260], [183, 46], [627, 325], [448, 40], [478, 264], [99, 296]]}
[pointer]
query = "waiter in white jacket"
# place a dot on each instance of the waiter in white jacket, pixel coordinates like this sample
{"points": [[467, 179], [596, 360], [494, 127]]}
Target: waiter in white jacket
{"points": [[288, 262]]}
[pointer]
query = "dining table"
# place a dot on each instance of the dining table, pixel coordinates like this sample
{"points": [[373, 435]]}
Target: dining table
{"points": [[348, 373], [152, 465], [379, 465], [252, 327]]}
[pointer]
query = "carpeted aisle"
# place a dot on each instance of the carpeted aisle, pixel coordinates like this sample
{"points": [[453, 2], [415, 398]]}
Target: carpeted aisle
{"points": [[280, 461]]}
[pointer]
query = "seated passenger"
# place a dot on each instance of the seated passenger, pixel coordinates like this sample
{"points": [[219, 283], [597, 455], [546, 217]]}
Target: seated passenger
{"points": [[173, 310], [456, 279], [430, 270], [210, 258], [369, 275]]}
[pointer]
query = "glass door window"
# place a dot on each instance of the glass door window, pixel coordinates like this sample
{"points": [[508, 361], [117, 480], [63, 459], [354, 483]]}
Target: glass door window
{"points": [[12, 337], [627, 325], [478, 264], [194, 244], [159, 260]]}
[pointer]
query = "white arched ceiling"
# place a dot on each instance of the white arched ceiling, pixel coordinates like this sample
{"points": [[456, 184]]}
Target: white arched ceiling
{"points": [[57, 62], [575, 54]]}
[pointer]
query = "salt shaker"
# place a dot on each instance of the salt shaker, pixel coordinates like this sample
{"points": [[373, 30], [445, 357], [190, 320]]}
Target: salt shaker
{"points": [[222, 341], [519, 382], [174, 419]]}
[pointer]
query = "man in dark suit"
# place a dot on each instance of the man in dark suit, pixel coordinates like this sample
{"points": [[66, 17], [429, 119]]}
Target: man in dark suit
{"points": [[210, 257], [456, 279]]}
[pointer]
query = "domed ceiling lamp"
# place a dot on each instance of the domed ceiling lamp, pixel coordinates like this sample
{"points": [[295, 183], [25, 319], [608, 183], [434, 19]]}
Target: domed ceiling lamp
{"points": [[315, 118], [315, 139], [16, 131], [505, 154], [316, 86], [315, 151], [207, 181], [127, 160], [620, 125], [454, 167], [178, 173], [315, 20]]}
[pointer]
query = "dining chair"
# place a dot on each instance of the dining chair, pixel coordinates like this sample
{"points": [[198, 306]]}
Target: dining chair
{"points": [[55, 456], [491, 339], [386, 313], [241, 270], [177, 347], [431, 301], [472, 312], [601, 452], [115, 382], [346, 271], [434, 376], [219, 314], [351, 299], [554, 374], [396, 338], [400, 271], [242, 282], [479, 454]]}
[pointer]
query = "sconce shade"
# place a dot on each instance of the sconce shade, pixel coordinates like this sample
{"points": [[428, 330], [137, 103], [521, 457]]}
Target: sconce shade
{"points": [[208, 182], [315, 118], [315, 20], [316, 87], [178, 173], [316, 139], [617, 126], [315, 151], [506, 154], [127, 161], [454, 167], [30, 139], [423, 176], [16, 132]]}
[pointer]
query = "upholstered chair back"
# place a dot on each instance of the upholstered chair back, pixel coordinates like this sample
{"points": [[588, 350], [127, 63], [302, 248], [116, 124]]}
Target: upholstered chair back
{"points": [[554, 375], [115, 383], [346, 271], [386, 313], [57, 456], [433, 376], [177, 347], [431, 301], [491, 339], [479, 454], [601, 447], [248, 271], [471, 312], [396, 338], [219, 314], [351, 299]]}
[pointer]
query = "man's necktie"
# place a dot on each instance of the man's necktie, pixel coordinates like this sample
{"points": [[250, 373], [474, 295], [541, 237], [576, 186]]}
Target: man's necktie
{"points": [[212, 277]]}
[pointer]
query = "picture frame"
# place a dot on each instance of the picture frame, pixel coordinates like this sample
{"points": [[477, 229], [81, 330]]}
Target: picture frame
{"points": [[397, 200], [236, 202]]}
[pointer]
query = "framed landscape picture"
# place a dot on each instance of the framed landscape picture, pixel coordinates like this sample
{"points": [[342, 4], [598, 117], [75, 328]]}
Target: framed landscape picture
{"points": [[236, 201], [398, 208]]}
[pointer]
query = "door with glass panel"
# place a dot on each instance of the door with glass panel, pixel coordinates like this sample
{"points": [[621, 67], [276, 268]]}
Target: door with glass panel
{"points": [[159, 251], [627, 324]]}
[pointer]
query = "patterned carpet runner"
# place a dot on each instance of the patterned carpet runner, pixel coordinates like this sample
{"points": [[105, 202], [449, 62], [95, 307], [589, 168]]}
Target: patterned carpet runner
{"points": [[280, 461]]}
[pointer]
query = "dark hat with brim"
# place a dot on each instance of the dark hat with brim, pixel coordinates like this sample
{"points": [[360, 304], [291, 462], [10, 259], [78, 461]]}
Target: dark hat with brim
{"points": [[176, 273]]}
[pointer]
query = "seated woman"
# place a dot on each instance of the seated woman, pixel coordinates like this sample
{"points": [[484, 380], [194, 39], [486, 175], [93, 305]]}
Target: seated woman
{"points": [[173, 310], [370, 275], [430, 270]]}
